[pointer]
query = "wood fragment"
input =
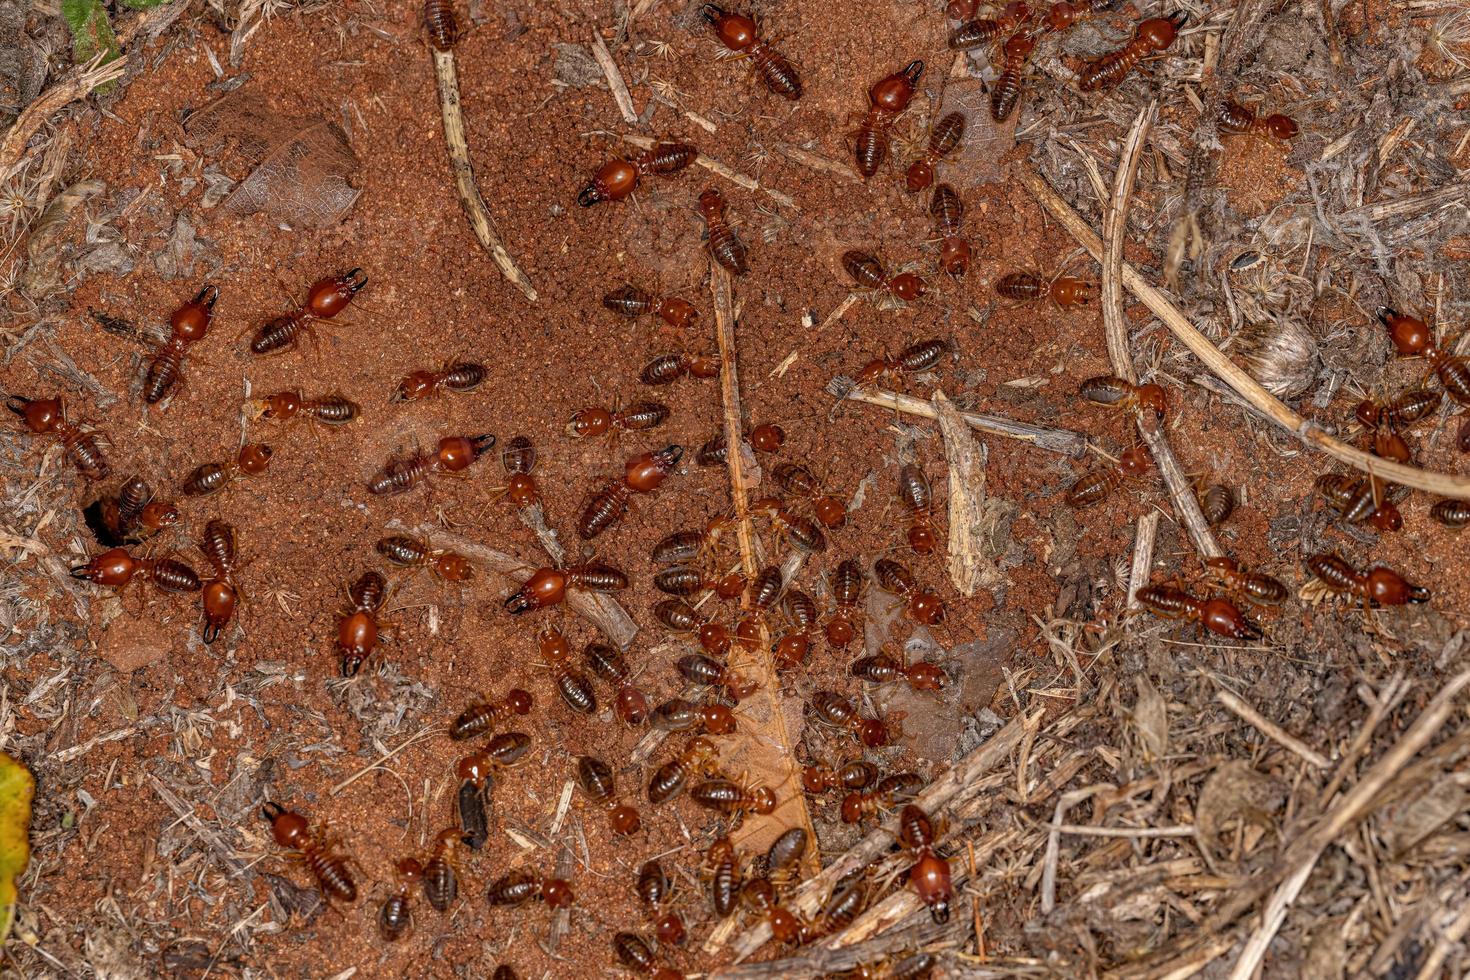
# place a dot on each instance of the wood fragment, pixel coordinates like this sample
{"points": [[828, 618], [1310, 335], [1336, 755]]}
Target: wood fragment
{"points": [[1064, 441], [764, 737], [1272, 730], [972, 514], [602, 611], [716, 167], [840, 310], [943, 795], [1443, 484], [1141, 571], [816, 161], [615, 82], [464, 175], [77, 85]]}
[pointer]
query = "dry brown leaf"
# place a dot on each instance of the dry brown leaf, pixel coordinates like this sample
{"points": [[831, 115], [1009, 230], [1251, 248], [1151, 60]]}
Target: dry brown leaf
{"points": [[1151, 718], [1424, 813], [301, 166], [1234, 792], [43, 251], [973, 517]]}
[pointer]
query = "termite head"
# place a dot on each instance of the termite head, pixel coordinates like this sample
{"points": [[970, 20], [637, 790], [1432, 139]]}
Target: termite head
{"points": [[1368, 413], [920, 175], [907, 286], [39, 414], [1225, 618], [735, 31], [711, 204], [613, 182], [1160, 32], [892, 94], [1134, 461], [954, 256], [1154, 397], [1071, 291], [289, 828], [1281, 127], [1386, 517], [1410, 335], [1388, 588], [254, 459], [191, 321], [458, 452], [1020, 45], [278, 407]]}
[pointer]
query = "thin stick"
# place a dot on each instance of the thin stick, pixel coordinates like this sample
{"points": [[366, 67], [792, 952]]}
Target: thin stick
{"points": [[1115, 233], [1302, 856], [816, 161], [1443, 484], [765, 704], [1272, 730], [1064, 441], [1143, 555], [464, 174], [1082, 830], [970, 511], [620, 92], [842, 308], [716, 167], [601, 611], [945, 793]]}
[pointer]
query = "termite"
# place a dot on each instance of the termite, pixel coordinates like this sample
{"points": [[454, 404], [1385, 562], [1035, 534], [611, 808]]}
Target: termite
{"points": [[677, 616], [973, 33], [930, 874], [116, 568], [1238, 120], [642, 474], [722, 866], [220, 593], [1258, 589], [1064, 291], [1451, 513], [189, 324], [47, 416], [944, 139], [573, 686], [636, 955], [1095, 486], [520, 887], [668, 368], [250, 461], [441, 873], [724, 245], [596, 779], [1007, 89], [482, 717], [740, 34], [1378, 586], [129, 517], [923, 606], [891, 791], [289, 406], [883, 669], [698, 756], [759, 895], [1154, 34], [631, 301], [1219, 616], [455, 376], [395, 918], [887, 99], [358, 626], [590, 422], [316, 851], [608, 663], [913, 359], [847, 591], [837, 711], [867, 271], [406, 551], [918, 500], [799, 481], [548, 586], [851, 776], [1123, 394], [619, 177], [454, 454], [326, 299], [947, 210], [1413, 338]]}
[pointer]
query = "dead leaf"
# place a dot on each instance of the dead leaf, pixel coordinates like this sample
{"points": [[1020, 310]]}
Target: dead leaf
{"points": [[1151, 718], [973, 517], [1424, 813], [302, 165], [1234, 792], [43, 251]]}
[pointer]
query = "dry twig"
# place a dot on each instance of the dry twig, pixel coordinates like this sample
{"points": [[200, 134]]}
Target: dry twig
{"points": [[1064, 441], [972, 515], [1232, 374], [716, 167], [464, 174], [615, 82]]}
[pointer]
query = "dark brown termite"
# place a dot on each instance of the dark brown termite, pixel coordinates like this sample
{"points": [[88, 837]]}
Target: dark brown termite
{"points": [[1255, 588], [668, 368], [619, 177], [867, 271], [1378, 586], [454, 376], [326, 299], [954, 250], [923, 606], [974, 33], [668, 781], [406, 551], [724, 245], [890, 792], [292, 831], [930, 874], [677, 616], [630, 704], [944, 139], [596, 779], [642, 474], [918, 500], [631, 301], [454, 454], [914, 359], [837, 711], [250, 461], [520, 887], [1451, 513], [799, 481], [1095, 486], [220, 593], [118, 569], [441, 873], [574, 687], [722, 867], [879, 668], [847, 592], [395, 918], [851, 776], [1220, 616], [129, 517], [358, 627]]}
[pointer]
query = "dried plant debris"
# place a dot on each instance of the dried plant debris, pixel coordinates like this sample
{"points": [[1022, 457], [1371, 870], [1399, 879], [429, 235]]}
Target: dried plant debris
{"points": [[22, 62], [301, 167]]}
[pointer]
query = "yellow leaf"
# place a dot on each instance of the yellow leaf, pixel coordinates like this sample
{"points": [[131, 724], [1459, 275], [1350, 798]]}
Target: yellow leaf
{"points": [[16, 789]]}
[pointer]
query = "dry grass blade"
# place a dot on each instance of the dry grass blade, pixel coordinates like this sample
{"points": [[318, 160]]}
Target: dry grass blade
{"points": [[1064, 441], [1272, 730], [464, 174], [1141, 570], [1443, 484], [1115, 234], [1301, 857], [972, 515], [763, 748]]}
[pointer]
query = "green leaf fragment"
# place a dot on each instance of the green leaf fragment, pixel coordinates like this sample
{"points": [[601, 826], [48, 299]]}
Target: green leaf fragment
{"points": [[17, 787]]}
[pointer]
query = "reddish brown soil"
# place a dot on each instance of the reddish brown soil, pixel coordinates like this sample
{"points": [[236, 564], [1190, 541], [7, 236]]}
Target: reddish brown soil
{"points": [[308, 527]]}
